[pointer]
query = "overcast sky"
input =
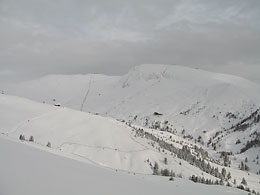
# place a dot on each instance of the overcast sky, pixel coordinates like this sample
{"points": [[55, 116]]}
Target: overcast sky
{"points": [[39, 37]]}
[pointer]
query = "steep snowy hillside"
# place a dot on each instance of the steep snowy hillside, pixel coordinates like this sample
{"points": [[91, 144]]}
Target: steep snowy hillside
{"points": [[30, 171], [219, 111]]}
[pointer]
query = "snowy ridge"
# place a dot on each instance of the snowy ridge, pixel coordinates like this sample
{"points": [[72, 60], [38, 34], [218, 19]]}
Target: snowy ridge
{"points": [[148, 72]]}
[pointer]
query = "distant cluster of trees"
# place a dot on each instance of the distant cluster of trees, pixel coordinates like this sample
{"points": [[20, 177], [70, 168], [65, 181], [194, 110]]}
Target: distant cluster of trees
{"points": [[31, 139], [225, 156], [243, 166], [22, 138], [250, 144], [196, 158], [164, 172], [224, 176], [242, 185], [184, 153], [198, 179]]}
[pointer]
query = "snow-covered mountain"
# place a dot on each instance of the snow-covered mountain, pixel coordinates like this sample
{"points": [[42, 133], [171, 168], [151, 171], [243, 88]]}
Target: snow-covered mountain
{"points": [[162, 113], [197, 104]]}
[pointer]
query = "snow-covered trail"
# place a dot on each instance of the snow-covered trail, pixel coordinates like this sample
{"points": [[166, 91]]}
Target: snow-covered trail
{"points": [[100, 147], [27, 121]]}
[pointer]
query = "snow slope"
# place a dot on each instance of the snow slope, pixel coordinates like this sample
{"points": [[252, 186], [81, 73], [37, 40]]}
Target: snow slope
{"points": [[28, 170], [102, 140]]}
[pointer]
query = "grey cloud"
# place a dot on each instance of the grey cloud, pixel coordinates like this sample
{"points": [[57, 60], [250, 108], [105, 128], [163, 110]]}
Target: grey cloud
{"points": [[76, 36]]}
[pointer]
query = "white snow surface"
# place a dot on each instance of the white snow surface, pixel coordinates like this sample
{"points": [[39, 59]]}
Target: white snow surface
{"points": [[26, 170]]}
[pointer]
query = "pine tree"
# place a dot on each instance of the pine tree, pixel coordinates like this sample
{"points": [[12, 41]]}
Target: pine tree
{"points": [[248, 189], [203, 180], [241, 187], [172, 174], [244, 181], [224, 172], [156, 169], [226, 161], [246, 168], [31, 139], [229, 175], [212, 171], [216, 172], [242, 166], [21, 137], [238, 141], [193, 178], [165, 161], [165, 172], [49, 144]]}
